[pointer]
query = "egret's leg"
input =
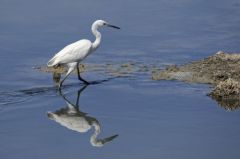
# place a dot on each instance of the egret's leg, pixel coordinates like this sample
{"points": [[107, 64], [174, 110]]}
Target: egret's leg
{"points": [[68, 73], [79, 77], [78, 72], [79, 93]]}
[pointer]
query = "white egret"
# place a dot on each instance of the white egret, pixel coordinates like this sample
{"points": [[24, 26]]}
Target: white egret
{"points": [[74, 53]]}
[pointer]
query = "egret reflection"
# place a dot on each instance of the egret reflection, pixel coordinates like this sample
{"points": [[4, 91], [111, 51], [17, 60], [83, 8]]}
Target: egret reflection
{"points": [[72, 118]]}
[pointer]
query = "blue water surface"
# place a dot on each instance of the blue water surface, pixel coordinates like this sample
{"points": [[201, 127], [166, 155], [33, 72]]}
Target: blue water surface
{"points": [[153, 119]]}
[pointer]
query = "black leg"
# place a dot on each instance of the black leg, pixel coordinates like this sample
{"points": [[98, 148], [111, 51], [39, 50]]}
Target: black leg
{"points": [[60, 84], [79, 76], [78, 72], [79, 93]]}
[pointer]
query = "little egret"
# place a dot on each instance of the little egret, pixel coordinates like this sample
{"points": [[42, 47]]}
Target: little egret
{"points": [[74, 53]]}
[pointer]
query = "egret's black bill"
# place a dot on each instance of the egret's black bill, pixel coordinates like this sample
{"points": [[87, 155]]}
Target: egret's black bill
{"points": [[113, 26]]}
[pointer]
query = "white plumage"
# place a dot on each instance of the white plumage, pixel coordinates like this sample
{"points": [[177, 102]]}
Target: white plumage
{"points": [[74, 53]]}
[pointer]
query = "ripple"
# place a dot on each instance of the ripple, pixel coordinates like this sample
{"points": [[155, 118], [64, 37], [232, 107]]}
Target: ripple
{"points": [[20, 96], [7, 98]]}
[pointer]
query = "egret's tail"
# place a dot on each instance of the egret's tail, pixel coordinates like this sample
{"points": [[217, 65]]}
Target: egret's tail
{"points": [[52, 62]]}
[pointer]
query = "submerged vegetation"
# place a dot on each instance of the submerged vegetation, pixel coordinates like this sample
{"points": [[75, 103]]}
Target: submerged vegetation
{"points": [[116, 70]]}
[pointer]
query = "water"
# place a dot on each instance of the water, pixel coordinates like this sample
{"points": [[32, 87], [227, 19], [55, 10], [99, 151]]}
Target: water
{"points": [[153, 119]]}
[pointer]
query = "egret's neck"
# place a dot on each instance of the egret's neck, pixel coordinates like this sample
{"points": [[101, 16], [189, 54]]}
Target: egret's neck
{"points": [[94, 141], [97, 34], [99, 142]]}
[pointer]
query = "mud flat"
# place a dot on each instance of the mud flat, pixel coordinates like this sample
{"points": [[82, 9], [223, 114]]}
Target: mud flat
{"points": [[221, 70]]}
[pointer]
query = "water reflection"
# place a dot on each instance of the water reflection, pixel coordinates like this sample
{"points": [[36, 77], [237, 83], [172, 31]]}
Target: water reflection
{"points": [[74, 119], [229, 104]]}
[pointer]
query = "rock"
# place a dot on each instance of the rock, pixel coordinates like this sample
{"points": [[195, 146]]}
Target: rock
{"points": [[211, 70], [222, 71], [226, 88], [226, 93]]}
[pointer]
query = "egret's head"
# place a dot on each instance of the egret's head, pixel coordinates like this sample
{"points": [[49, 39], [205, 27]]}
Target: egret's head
{"points": [[99, 23]]}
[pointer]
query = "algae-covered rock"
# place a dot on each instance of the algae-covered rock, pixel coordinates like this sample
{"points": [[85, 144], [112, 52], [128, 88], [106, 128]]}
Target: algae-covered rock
{"points": [[226, 93], [222, 70], [223, 89], [211, 70]]}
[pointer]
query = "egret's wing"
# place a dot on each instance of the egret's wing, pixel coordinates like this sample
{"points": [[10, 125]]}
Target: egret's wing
{"points": [[72, 53]]}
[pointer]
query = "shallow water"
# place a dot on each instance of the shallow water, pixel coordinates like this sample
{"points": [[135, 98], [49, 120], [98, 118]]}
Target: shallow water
{"points": [[153, 119]]}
